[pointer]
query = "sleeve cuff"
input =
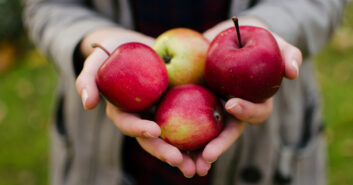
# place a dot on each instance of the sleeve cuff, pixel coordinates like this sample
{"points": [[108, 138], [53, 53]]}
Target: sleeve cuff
{"points": [[278, 18]]}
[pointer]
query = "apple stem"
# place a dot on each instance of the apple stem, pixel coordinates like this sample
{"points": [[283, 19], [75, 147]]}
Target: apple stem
{"points": [[96, 45], [236, 23]]}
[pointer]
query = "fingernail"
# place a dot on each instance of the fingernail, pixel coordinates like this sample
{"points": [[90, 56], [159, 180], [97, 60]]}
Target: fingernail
{"points": [[84, 96], [295, 65], [210, 162], [234, 107], [203, 174], [189, 177], [146, 134]]}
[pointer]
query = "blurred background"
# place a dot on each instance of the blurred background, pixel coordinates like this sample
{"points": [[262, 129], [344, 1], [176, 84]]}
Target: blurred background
{"points": [[27, 87]]}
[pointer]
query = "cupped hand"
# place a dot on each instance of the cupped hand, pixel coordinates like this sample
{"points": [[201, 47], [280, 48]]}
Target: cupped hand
{"points": [[191, 163], [145, 131], [110, 38], [292, 57], [246, 110], [242, 110]]}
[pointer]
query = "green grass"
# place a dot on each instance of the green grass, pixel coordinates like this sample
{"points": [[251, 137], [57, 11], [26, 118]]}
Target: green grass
{"points": [[26, 103], [335, 73], [26, 106]]}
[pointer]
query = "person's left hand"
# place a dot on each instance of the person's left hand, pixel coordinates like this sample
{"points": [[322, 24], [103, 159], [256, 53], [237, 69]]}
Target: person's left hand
{"points": [[241, 109]]}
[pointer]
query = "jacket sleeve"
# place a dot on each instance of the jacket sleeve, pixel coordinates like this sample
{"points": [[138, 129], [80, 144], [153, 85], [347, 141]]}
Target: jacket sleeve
{"points": [[58, 27], [307, 24]]}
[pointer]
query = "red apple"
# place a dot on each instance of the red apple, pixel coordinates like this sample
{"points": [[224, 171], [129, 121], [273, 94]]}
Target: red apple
{"points": [[252, 70], [189, 117], [133, 77], [184, 52]]}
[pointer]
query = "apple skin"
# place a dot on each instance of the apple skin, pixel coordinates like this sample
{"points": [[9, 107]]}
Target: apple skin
{"points": [[184, 52], [189, 117], [133, 77], [253, 72]]}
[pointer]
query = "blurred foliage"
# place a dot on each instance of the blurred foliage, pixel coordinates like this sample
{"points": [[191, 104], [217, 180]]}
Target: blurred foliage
{"points": [[335, 74], [26, 105], [27, 83], [7, 56], [13, 40], [10, 19]]}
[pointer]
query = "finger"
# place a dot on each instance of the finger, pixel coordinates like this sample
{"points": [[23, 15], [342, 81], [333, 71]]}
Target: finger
{"points": [[223, 141], [187, 167], [131, 125], [292, 57], [202, 166], [86, 83], [211, 33], [162, 150], [254, 113]]}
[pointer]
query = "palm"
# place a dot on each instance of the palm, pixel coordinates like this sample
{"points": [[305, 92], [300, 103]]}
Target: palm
{"points": [[192, 163]]}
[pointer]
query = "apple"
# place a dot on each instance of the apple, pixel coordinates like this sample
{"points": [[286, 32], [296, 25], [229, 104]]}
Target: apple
{"points": [[133, 77], [244, 62], [184, 52], [189, 117]]}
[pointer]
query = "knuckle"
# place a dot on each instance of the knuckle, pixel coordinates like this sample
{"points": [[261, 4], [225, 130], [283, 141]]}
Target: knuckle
{"points": [[141, 132]]}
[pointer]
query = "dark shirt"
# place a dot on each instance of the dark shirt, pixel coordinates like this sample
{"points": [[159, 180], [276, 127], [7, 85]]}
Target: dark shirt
{"points": [[153, 17]]}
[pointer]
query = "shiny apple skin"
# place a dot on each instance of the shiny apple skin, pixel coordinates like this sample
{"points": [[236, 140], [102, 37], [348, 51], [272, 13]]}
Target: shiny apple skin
{"points": [[187, 49], [189, 117], [133, 77], [253, 72]]}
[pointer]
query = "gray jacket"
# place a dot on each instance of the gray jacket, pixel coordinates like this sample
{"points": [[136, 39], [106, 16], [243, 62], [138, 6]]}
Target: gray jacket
{"points": [[288, 147]]}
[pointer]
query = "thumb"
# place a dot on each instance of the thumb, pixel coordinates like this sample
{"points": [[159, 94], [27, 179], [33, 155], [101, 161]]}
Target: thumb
{"points": [[86, 83], [292, 58]]}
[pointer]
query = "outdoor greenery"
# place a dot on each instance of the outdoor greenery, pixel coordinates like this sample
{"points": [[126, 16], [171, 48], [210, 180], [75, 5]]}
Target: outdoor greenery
{"points": [[335, 74], [27, 90]]}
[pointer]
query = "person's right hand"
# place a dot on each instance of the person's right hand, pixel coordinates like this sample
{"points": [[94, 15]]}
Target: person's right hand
{"points": [[145, 131], [110, 39]]}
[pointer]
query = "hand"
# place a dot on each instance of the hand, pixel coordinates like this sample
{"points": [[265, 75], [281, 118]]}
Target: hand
{"points": [[109, 38], [243, 110], [199, 162], [292, 57], [145, 131]]}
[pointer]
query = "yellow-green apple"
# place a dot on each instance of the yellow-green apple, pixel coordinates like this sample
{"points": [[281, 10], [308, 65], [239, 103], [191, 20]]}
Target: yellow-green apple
{"points": [[184, 52], [189, 116], [244, 62], [133, 77]]}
